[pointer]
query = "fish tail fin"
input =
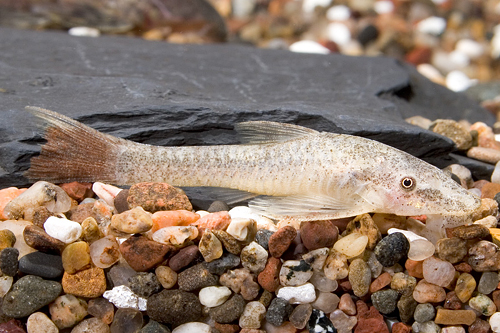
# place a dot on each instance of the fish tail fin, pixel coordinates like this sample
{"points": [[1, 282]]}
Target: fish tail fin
{"points": [[73, 151]]}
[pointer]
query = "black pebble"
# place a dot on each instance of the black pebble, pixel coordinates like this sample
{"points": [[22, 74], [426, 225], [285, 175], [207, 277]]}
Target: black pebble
{"points": [[391, 249], [218, 206], [262, 238], [368, 34], [278, 312], [8, 261], [48, 266], [320, 323]]}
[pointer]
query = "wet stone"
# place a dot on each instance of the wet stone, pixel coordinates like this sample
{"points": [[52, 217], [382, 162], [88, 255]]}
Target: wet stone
{"points": [[488, 282], [67, 310], [144, 284], [391, 249], [319, 322], [155, 197], [452, 250], [38, 239], [300, 315], [126, 321], [280, 241], [229, 311], [196, 277], [143, 254], [318, 234], [44, 265], [8, 261], [174, 307], [154, 327], [278, 311], [102, 309], [484, 256], [262, 238], [385, 300], [29, 294], [231, 244], [224, 263], [424, 312]]}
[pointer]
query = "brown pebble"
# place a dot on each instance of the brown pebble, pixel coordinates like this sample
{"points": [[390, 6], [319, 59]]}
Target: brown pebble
{"points": [[454, 317], [415, 268], [120, 201], [76, 257], [401, 328], [380, 282], [452, 302], [318, 234], [369, 319], [78, 191], [81, 212], [364, 225], [266, 298], [452, 249], [12, 326], [154, 197], [463, 267], [345, 286], [484, 256], [347, 305], [90, 230], [495, 296], [38, 239], [471, 231], [90, 283], [183, 258], [269, 277], [489, 190], [227, 328], [40, 215], [479, 326], [281, 240], [101, 308], [143, 254]]}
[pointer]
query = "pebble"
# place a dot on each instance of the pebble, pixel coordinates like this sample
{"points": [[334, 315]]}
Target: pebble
{"points": [[242, 228], [488, 155], [196, 277], [132, 221], [426, 292], [295, 273], [38, 322], [93, 325], [438, 272], [427, 327], [488, 282], [319, 322], [88, 283], [7, 239], [62, 229], [8, 261], [214, 221], [453, 329], [229, 311], [224, 263], [298, 295], [67, 311], [155, 197], [336, 267], [452, 250], [406, 306], [166, 276], [6, 195], [347, 305], [120, 273], [380, 282], [29, 294], [5, 284], [470, 231], [351, 245], [262, 238], [452, 301], [318, 234], [214, 296], [44, 265], [316, 258], [278, 311], [124, 297], [218, 206], [420, 247], [17, 228], [281, 240], [342, 322], [308, 46], [391, 249], [193, 327], [252, 315], [479, 326], [359, 277], [484, 256], [369, 319], [433, 25], [453, 130], [170, 218], [465, 286], [154, 327], [38, 239], [326, 302], [483, 304], [143, 254], [76, 257], [269, 278], [495, 322], [144, 284], [322, 283], [105, 252], [254, 257], [424, 312], [385, 300], [183, 258], [231, 244], [90, 230], [126, 321], [364, 225], [403, 283], [102, 309], [454, 317], [210, 246], [300, 315], [176, 235]]}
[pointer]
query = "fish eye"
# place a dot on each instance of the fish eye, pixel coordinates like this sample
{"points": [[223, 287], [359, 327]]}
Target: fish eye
{"points": [[408, 183]]}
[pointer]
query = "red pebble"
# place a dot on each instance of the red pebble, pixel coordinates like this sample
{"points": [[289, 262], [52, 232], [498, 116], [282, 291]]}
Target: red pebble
{"points": [[281, 240], [12, 326], [318, 234], [369, 320], [269, 278], [401, 328], [143, 254], [78, 191]]}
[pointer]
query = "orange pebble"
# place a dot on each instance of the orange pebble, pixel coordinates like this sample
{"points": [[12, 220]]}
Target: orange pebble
{"points": [[6, 195], [214, 221], [169, 218], [415, 268]]}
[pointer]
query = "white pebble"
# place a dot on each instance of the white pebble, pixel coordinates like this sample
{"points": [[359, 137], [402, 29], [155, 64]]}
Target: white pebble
{"points": [[430, 72], [106, 192], [495, 176], [383, 7], [351, 245], [295, 273], [238, 228], [192, 327], [458, 81], [458, 59], [475, 191], [247, 212], [298, 295], [432, 25], [240, 211], [123, 297], [339, 33], [495, 322], [62, 229], [470, 47], [338, 13], [252, 315], [254, 257], [202, 213], [175, 235], [84, 32], [214, 296], [242, 8], [308, 6]]}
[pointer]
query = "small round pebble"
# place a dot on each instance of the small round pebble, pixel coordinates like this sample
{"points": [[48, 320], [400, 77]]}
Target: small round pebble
{"points": [[391, 249], [495, 322], [62, 229], [38, 322], [193, 327], [360, 277], [196, 277], [254, 257], [438, 272], [218, 206], [214, 296], [127, 321], [94, 325], [488, 282], [424, 312], [67, 310], [252, 315], [229, 311], [166, 276]]}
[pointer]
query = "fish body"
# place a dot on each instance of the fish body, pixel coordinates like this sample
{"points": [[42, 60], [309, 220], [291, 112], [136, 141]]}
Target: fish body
{"points": [[292, 171]]}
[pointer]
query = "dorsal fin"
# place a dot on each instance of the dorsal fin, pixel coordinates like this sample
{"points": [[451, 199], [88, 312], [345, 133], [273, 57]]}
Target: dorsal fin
{"points": [[260, 132]]}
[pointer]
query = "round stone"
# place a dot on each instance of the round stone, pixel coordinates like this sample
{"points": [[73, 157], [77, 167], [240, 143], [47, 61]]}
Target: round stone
{"points": [[262, 238], [8, 261], [193, 327], [424, 312], [38, 322], [426, 292], [391, 249], [62, 229], [166, 276], [196, 277], [318, 234], [483, 304], [102, 309], [360, 277], [278, 311], [465, 286], [76, 257], [132, 221], [254, 257], [252, 315], [351, 245], [488, 282], [495, 322], [105, 252], [326, 302], [229, 311], [67, 310]]}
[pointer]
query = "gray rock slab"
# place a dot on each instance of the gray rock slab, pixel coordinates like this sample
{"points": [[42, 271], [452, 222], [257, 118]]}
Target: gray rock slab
{"points": [[166, 94]]}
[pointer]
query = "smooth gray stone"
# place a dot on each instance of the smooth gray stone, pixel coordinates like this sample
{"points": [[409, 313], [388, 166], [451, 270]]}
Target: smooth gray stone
{"points": [[167, 94]]}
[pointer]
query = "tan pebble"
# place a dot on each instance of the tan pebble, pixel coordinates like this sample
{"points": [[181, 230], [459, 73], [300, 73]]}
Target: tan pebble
{"points": [[38, 322], [488, 155], [155, 197], [76, 256], [171, 218], [458, 133], [214, 221], [488, 222], [133, 221], [94, 325], [488, 207], [336, 267], [242, 228], [7, 239], [102, 309], [426, 292], [166, 276], [483, 304], [89, 283], [105, 251], [67, 310], [489, 190], [90, 230], [364, 225], [484, 256], [380, 282], [210, 246], [359, 277], [403, 283], [176, 236], [486, 137], [466, 284], [78, 191], [454, 317]]}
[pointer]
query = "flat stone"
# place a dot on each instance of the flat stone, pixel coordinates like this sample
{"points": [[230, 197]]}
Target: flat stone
{"points": [[471, 231], [44, 265], [173, 109], [38, 322], [127, 321], [300, 315], [174, 307], [155, 197], [29, 294]]}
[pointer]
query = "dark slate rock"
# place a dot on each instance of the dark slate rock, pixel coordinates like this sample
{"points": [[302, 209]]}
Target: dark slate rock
{"points": [[262, 238], [320, 323], [278, 312], [174, 307], [221, 265], [391, 249], [8, 261], [48, 266], [228, 311], [29, 294], [144, 284], [164, 94]]}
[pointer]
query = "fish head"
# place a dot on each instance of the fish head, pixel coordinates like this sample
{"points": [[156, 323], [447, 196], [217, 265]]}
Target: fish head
{"points": [[413, 187]]}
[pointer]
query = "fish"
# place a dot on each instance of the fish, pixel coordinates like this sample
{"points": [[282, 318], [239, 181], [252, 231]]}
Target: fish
{"points": [[288, 171]]}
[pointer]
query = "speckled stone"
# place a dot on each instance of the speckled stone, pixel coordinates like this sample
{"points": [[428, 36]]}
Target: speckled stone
{"points": [[391, 249], [229, 311], [174, 307], [300, 315], [278, 311], [364, 225], [44, 265], [359, 277], [90, 230], [465, 286], [102, 309], [427, 327], [484, 256], [479, 326], [426, 292], [262, 238], [38, 322], [89, 283], [319, 322], [470, 231], [385, 300], [424, 312], [224, 263], [241, 280], [488, 282], [336, 267], [452, 250], [454, 317], [154, 197], [12, 326], [7, 239], [254, 257], [406, 306], [318, 234], [369, 319], [403, 283], [93, 325], [29, 294], [8, 261], [67, 310], [452, 302], [144, 284], [143, 254], [231, 244], [483, 304], [280, 241], [196, 277]]}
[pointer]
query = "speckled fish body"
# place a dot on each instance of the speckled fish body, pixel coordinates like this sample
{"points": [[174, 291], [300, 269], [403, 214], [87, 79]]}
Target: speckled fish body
{"points": [[297, 172]]}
